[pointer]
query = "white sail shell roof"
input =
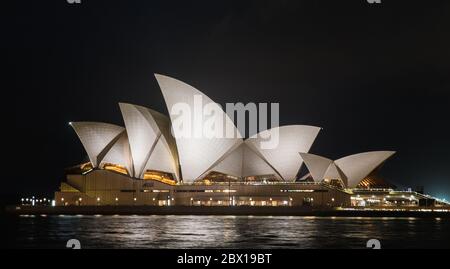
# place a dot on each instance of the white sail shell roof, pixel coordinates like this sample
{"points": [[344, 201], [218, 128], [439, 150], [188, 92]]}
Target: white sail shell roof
{"points": [[230, 164], [254, 165], [243, 162], [196, 154], [142, 132], [351, 169], [147, 143], [161, 158], [284, 157], [333, 172], [97, 138], [317, 165], [149, 130], [356, 167], [120, 154]]}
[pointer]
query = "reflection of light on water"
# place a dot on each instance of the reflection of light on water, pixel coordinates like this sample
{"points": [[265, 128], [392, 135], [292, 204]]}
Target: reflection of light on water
{"points": [[230, 231], [27, 216]]}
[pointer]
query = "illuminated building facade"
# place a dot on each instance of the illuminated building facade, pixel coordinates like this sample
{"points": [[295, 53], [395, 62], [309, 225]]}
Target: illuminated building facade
{"points": [[142, 163]]}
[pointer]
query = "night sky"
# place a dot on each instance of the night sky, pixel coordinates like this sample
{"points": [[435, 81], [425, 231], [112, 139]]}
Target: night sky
{"points": [[375, 77]]}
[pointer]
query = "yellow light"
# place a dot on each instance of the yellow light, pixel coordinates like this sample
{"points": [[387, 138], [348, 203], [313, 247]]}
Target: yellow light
{"points": [[134, 199], [116, 168], [80, 199], [117, 199], [98, 199], [159, 177], [62, 199]]}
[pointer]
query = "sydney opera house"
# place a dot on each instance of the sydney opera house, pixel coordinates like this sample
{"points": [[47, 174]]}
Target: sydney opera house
{"points": [[145, 162]]}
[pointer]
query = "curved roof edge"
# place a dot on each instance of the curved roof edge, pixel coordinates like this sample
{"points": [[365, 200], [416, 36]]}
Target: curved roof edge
{"points": [[97, 138], [354, 167], [358, 166], [145, 128], [317, 165], [196, 153], [283, 155]]}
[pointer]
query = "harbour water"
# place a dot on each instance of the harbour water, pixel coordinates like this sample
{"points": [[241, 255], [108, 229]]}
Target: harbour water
{"points": [[251, 232]]}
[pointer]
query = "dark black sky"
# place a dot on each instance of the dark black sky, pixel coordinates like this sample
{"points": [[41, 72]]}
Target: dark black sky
{"points": [[375, 77]]}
